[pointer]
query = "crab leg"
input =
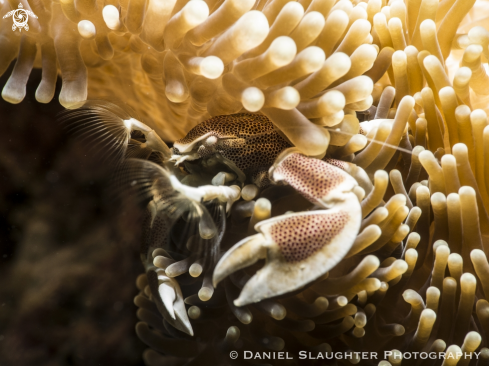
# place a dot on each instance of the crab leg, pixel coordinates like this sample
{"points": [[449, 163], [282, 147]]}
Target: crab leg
{"points": [[168, 298]]}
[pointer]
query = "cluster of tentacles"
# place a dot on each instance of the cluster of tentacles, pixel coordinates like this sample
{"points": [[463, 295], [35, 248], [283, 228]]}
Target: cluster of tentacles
{"points": [[416, 276]]}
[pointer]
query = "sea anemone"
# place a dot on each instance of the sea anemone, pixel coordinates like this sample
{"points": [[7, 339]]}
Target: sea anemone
{"points": [[327, 189]]}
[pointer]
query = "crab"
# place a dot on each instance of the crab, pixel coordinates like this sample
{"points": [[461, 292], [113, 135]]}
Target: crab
{"points": [[208, 168]]}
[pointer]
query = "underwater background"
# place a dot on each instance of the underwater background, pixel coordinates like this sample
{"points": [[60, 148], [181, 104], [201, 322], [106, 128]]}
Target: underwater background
{"points": [[67, 271]]}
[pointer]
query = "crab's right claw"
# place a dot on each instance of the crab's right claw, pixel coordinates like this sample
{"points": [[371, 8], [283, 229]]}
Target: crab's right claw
{"points": [[168, 298]]}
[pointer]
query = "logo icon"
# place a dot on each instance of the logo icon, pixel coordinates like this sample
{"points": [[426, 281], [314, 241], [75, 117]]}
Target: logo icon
{"points": [[20, 17]]}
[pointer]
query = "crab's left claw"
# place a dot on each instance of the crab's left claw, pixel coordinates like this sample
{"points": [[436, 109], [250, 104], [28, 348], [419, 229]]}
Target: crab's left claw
{"points": [[299, 248]]}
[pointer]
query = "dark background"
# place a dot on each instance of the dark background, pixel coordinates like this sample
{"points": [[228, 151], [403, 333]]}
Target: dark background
{"points": [[68, 256]]}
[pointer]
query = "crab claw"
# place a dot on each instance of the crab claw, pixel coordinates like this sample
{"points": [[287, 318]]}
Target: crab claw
{"points": [[168, 298], [298, 247], [320, 182]]}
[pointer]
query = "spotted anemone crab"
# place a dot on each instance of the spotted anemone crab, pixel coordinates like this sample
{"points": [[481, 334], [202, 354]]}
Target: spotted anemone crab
{"points": [[219, 162]]}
